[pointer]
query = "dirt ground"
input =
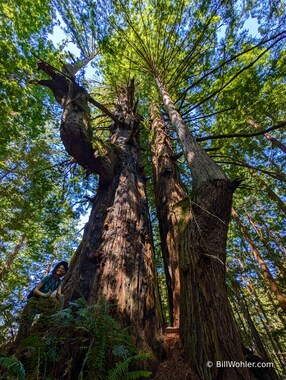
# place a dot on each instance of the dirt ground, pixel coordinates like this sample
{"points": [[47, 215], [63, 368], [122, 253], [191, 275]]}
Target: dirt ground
{"points": [[175, 366]]}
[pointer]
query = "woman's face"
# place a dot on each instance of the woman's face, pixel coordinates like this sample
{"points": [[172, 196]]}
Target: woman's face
{"points": [[61, 270]]}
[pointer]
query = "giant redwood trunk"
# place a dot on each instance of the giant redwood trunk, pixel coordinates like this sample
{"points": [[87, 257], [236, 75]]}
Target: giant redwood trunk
{"points": [[168, 191], [115, 258], [207, 326]]}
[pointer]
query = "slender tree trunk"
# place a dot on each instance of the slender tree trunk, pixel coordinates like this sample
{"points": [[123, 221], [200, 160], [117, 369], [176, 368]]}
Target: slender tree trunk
{"points": [[272, 195], [266, 323], [274, 141], [7, 265], [268, 373], [277, 259], [271, 235], [280, 316], [273, 286], [244, 309], [207, 326], [168, 190], [50, 263], [241, 321]]}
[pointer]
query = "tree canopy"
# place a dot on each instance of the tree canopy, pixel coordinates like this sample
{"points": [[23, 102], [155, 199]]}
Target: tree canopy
{"points": [[220, 89]]}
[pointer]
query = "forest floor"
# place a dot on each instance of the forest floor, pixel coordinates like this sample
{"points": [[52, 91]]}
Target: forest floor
{"points": [[175, 367]]}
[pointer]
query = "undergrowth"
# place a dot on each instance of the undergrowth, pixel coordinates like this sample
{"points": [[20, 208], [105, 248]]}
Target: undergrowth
{"points": [[96, 347]]}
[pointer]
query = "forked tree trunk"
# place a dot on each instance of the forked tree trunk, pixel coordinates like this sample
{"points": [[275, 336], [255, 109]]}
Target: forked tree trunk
{"points": [[115, 258], [207, 326], [168, 190]]}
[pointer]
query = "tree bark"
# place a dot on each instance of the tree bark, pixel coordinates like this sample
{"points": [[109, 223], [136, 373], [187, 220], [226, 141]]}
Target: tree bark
{"points": [[115, 258], [207, 326], [203, 168], [273, 286], [168, 190]]}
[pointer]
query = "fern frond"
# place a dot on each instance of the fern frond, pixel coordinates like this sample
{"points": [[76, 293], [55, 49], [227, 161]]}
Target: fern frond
{"points": [[134, 375], [12, 366], [121, 368]]}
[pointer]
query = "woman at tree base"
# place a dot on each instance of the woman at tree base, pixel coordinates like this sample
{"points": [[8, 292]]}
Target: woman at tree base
{"points": [[43, 299]]}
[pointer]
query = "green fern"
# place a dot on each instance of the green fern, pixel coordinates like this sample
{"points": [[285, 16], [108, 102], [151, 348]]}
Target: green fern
{"points": [[120, 351], [104, 345], [13, 368], [134, 375], [121, 369]]}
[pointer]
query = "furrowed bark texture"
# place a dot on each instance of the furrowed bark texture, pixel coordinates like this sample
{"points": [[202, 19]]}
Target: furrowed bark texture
{"points": [[168, 190], [207, 326], [202, 166], [115, 258]]}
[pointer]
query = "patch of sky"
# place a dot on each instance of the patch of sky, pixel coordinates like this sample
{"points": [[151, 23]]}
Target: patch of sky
{"points": [[59, 38], [82, 221], [251, 24]]}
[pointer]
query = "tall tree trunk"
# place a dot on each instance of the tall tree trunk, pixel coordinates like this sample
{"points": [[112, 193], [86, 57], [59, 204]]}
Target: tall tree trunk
{"points": [[268, 373], [273, 286], [168, 190], [277, 259], [203, 168], [274, 141], [271, 235], [244, 309], [266, 323], [115, 258], [207, 326], [272, 195]]}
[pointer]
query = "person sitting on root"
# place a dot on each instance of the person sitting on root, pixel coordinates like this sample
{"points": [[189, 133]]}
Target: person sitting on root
{"points": [[45, 298], [51, 283]]}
